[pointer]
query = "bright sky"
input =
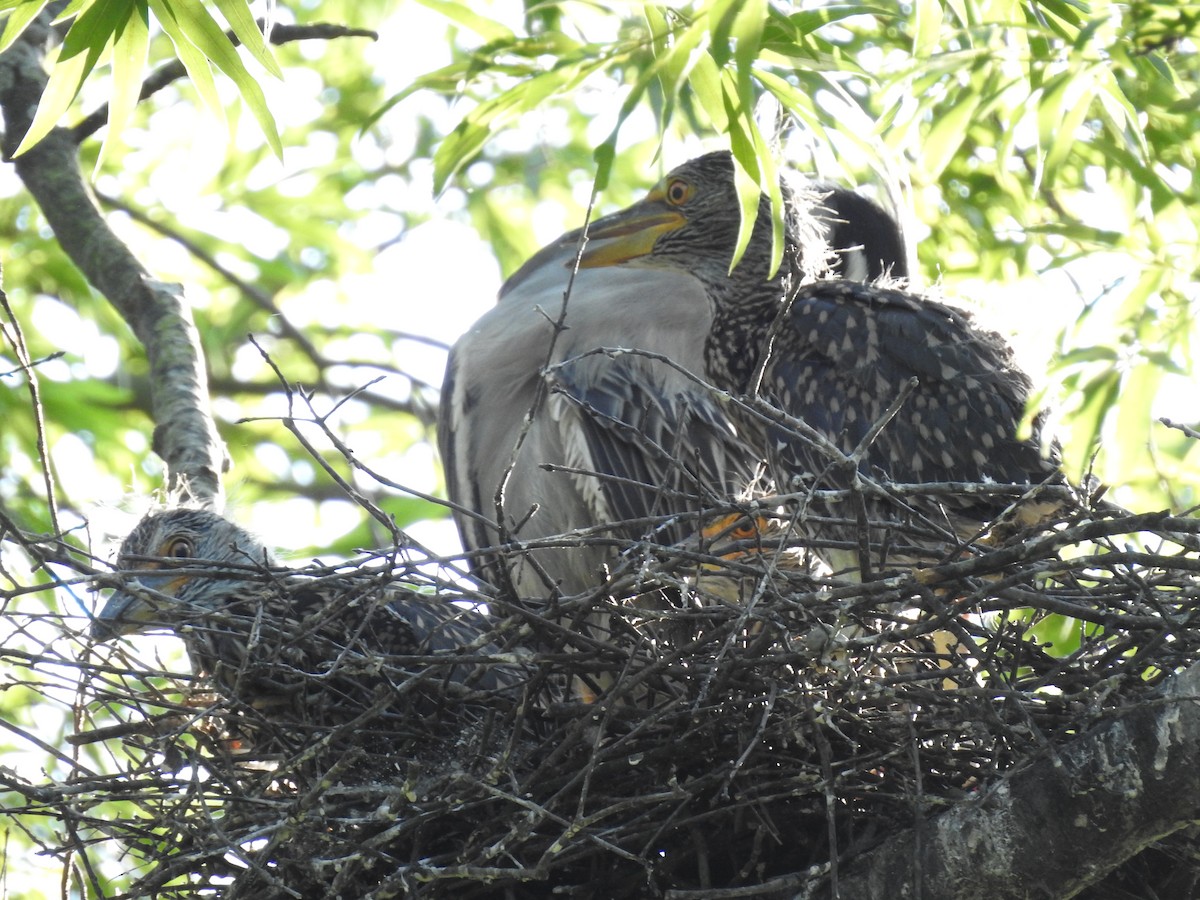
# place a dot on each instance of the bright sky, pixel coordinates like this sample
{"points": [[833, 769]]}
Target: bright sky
{"points": [[406, 289]]}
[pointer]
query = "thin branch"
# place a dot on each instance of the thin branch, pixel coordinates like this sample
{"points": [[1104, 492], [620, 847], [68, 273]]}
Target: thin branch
{"points": [[425, 411], [16, 339], [1179, 426], [33, 364], [171, 72], [536, 404], [185, 435]]}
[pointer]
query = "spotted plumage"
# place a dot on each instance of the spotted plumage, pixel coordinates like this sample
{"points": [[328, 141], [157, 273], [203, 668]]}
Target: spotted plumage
{"points": [[623, 446], [270, 637], [836, 355]]}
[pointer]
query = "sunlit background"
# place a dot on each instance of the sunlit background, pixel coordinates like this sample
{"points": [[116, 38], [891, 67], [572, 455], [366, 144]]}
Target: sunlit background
{"points": [[349, 241], [420, 267]]}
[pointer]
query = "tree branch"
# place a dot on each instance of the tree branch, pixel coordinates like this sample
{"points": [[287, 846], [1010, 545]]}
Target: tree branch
{"points": [[1059, 825], [159, 315], [172, 71]]}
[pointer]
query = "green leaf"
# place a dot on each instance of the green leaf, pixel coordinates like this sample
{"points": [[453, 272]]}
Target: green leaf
{"points": [[81, 50], [1061, 112], [705, 82], [445, 80], [1088, 354], [719, 23], [808, 21], [927, 27], [748, 191], [71, 10], [128, 66], [1066, 15], [1135, 305], [24, 12], [754, 158], [671, 68], [193, 25], [604, 156], [948, 132], [241, 21], [488, 29], [1120, 112], [746, 32], [1099, 395], [794, 100], [959, 8], [1138, 391], [469, 136], [797, 102], [1166, 361], [195, 62]]}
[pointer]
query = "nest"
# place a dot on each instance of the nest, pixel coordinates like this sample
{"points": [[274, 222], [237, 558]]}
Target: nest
{"points": [[740, 727]]}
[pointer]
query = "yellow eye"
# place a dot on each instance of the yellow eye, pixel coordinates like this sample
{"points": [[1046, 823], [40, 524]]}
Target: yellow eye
{"points": [[678, 192], [180, 548]]}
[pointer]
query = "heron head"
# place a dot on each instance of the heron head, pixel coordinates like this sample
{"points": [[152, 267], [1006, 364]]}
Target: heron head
{"points": [[690, 221], [176, 564]]}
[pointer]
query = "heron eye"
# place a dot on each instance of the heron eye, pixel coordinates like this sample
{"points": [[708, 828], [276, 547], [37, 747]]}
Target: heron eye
{"points": [[744, 531], [180, 548], [678, 192]]}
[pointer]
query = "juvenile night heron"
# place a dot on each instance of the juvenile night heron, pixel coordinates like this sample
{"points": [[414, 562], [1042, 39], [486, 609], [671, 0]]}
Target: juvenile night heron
{"points": [[837, 356], [267, 636], [618, 442]]}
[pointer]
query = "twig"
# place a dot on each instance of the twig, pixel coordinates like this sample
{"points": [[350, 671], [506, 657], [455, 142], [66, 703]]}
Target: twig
{"points": [[16, 340], [171, 72], [1179, 426]]}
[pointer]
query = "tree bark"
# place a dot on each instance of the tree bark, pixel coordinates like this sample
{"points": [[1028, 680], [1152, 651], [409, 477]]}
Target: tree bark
{"points": [[1058, 826], [185, 435]]}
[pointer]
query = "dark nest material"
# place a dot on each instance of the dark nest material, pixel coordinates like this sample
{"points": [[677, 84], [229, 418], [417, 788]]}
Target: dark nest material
{"points": [[754, 729]]}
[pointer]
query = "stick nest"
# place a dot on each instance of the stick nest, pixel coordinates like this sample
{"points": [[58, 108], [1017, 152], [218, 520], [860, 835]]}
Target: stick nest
{"points": [[727, 724]]}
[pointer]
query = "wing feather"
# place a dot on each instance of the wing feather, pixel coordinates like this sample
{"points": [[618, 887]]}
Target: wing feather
{"points": [[846, 353]]}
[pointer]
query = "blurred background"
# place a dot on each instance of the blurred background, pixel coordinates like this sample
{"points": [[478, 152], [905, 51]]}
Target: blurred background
{"points": [[1041, 153]]}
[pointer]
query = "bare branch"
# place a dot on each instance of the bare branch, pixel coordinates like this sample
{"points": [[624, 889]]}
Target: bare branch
{"points": [[16, 340], [159, 315], [1179, 426]]}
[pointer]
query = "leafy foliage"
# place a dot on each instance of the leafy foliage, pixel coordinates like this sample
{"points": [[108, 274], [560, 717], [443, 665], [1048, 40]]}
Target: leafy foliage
{"points": [[1044, 151], [1030, 138], [120, 29]]}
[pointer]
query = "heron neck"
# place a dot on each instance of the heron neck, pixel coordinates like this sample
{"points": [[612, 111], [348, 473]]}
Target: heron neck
{"points": [[742, 318]]}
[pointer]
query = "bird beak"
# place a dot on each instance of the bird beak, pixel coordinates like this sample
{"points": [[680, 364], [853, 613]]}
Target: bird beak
{"points": [[126, 613], [734, 531], [630, 233]]}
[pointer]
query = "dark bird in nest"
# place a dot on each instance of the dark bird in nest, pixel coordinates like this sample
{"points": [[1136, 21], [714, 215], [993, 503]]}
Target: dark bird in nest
{"points": [[317, 647], [862, 382], [622, 444]]}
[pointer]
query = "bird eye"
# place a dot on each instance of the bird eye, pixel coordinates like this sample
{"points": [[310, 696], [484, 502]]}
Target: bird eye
{"points": [[748, 529], [180, 548], [678, 192]]}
